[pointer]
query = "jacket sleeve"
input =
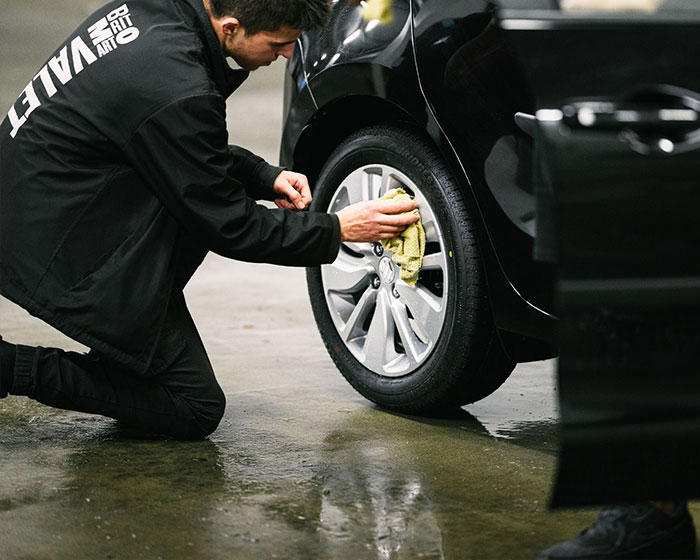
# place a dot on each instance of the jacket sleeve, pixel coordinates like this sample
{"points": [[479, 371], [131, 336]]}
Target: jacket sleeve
{"points": [[181, 152], [254, 172]]}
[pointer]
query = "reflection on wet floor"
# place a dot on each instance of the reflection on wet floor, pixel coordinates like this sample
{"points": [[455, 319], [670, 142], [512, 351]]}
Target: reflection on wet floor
{"points": [[524, 410], [301, 466], [310, 472], [287, 476]]}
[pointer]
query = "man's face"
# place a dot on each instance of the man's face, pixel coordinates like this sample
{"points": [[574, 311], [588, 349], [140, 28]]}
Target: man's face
{"points": [[261, 49]]}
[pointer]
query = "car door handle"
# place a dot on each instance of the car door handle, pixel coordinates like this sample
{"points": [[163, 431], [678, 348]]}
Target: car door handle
{"points": [[602, 115], [661, 120], [526, 122]]}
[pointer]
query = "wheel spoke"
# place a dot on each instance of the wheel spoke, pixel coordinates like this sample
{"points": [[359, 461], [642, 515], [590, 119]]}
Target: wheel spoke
{"points": [[353, 188], [353, 327], [362, 184], [426, 308], [379, 335], [373, 183], [361, 248], [389, 181], [346, 274], [434, 261], [431, 232], [409, 339]]}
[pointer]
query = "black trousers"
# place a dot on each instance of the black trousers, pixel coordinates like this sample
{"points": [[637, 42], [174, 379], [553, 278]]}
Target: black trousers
{"points": [[184, 401]]}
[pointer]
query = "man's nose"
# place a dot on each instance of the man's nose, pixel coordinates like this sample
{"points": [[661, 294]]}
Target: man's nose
{"points": [[286, 51]]}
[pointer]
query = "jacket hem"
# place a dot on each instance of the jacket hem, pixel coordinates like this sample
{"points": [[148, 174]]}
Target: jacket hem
{"points": [[136, 364], [334, 247]]}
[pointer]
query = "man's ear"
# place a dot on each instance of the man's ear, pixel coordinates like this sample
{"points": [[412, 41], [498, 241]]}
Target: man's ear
{"points": [[230, 25]]}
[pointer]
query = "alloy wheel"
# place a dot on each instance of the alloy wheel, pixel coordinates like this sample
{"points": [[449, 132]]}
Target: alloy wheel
{"points": [[388, 326]]}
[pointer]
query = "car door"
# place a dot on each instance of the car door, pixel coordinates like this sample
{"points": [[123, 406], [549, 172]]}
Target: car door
{"points": [[617, 89]]}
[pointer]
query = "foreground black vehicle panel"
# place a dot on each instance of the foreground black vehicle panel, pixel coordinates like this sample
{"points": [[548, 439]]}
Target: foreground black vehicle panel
{"points": [[618, 118], [432, 102]]}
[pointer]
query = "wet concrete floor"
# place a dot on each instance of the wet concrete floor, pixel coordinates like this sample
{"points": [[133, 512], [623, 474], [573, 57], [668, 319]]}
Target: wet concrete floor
{"points": [[301, 467]]}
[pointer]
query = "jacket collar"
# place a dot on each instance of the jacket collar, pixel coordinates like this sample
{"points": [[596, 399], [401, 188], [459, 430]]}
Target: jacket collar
{"points": [[226, 79]]}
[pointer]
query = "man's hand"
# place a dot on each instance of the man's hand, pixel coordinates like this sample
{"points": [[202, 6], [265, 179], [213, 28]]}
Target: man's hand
{"points": [[293, 190], [373, 220]]}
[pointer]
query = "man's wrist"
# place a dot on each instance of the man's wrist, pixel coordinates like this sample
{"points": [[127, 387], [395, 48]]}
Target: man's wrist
{"points": [[268, 175], [265, 176]]}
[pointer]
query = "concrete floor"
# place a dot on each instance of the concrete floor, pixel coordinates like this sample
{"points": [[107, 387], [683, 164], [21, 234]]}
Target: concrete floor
{"points": [[301, 467]]}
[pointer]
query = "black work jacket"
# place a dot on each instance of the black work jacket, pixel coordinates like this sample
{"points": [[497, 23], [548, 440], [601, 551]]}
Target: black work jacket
{"points": [[114, 157]]}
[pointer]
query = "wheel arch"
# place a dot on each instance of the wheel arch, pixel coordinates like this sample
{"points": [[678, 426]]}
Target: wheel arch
{"points": [[344, 99], [338, 120]]}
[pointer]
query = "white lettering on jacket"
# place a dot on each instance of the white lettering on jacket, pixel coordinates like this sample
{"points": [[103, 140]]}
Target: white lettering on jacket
{"points": [[60, 66], [29, 99], [115, 29], [107, 34]]}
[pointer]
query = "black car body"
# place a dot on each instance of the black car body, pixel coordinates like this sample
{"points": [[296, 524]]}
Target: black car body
{"points": [[617, 100], [438, 79]]}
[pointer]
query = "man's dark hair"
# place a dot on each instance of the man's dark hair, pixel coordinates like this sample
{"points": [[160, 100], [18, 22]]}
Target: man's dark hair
{"points": [[270, 15]]}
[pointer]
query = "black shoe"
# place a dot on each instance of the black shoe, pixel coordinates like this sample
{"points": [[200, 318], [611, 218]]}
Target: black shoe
{"points": [[631, 531]]}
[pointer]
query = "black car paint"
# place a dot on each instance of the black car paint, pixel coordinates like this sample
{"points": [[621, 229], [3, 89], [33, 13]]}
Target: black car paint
{"points": [[624, 170], [440, 65]]}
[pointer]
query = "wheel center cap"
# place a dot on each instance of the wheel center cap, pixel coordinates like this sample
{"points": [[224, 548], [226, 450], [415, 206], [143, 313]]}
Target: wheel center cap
{"points": [[386, 270]]}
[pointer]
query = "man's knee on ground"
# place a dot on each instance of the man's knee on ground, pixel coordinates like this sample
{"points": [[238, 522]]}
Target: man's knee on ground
{"points": [[205, 416]]}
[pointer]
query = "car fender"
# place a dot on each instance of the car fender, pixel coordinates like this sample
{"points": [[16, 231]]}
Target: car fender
{"points": [[343, 99]]}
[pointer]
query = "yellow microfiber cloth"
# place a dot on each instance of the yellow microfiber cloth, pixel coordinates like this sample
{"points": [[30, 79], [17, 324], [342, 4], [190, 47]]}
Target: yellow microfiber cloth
{"points": [[379, 10], [408, 248]]}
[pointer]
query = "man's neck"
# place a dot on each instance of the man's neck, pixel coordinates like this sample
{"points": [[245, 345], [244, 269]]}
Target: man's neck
{"points": [[215, 24]]}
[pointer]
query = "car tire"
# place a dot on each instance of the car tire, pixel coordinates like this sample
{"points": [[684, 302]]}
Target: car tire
{"points": [[424, 350]]}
